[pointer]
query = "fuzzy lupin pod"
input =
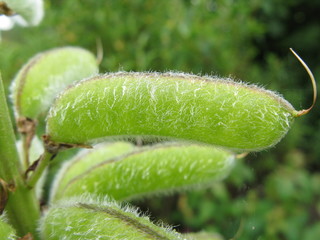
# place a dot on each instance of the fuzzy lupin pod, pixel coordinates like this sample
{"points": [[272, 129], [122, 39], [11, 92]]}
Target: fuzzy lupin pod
{"points": [[170, 105], [87, 217], [162, 168], [45, 75], [7, 232]]}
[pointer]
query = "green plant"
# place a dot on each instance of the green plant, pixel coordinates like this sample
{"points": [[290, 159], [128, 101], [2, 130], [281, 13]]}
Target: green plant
{"points": [[82, 115], [6, 231], [16, 192]]}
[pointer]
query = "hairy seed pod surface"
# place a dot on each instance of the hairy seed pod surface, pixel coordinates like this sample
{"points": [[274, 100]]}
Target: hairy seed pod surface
{"points": [[209, 110], [6, 231], [80, 218], [86, 159], [162, 168], [46, 74]]}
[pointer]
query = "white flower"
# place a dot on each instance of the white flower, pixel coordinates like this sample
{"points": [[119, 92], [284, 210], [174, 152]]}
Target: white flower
{"points": [[24, 13]]}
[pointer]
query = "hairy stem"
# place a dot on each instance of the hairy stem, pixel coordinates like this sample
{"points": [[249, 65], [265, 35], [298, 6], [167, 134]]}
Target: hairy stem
{"points": [[22, 207]]}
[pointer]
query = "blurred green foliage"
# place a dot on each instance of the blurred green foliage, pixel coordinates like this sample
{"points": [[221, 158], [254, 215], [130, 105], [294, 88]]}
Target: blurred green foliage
{"points": [[270, 195]]}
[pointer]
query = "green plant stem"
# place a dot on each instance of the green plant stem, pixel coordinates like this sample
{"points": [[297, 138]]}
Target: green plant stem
{"points": [[43, 163], [22, 207], [25, 150]]}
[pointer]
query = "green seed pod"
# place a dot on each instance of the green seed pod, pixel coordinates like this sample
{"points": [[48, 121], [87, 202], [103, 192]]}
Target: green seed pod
{"points": [[170, 105], [85, 160], [150, 170], [45, 75], [6, 231], [85, 218]]}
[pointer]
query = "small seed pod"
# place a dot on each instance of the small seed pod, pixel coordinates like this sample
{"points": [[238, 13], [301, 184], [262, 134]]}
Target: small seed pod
{"points": [[158, 169], [45, 75], [86, 218], [6, 231], [85, 160], [170, 105]]}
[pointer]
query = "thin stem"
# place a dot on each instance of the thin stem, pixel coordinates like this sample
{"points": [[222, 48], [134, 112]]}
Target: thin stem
{"points": [[44, 161], [22, 207], [25, 150]]}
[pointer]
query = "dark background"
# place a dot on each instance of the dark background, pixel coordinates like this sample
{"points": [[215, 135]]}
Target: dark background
{"points": [[274, 194]]}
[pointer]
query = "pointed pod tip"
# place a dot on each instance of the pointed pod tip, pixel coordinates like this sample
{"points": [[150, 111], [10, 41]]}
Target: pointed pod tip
{"points": [[314, 86], [242, 155], [99, 44]]}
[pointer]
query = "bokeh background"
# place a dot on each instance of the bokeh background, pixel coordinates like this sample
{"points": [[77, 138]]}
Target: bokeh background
{"points": [[274, 194]]}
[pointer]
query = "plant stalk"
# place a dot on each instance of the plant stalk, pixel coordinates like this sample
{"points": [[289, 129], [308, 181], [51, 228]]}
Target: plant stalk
{"points": [[43, 163], [22, 207]]}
